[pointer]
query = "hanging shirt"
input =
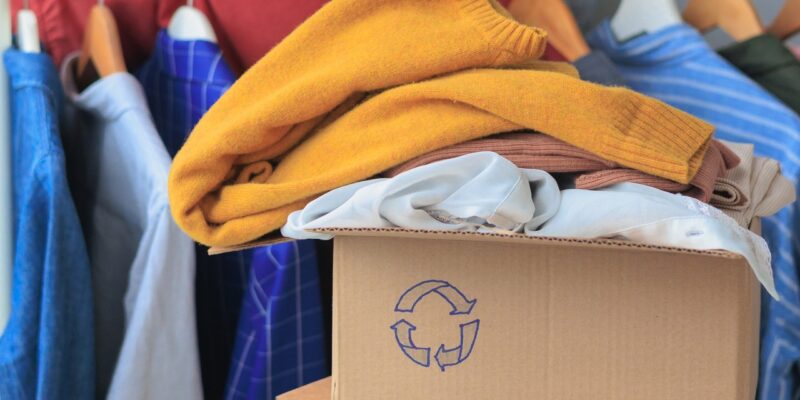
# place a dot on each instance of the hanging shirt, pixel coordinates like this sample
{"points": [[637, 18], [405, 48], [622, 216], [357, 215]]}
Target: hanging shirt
{"points": [[596, 67], [280, 345], [677, 66], [142, 264], [766, 60], [47, 349], [182, 81], [62, 23]]}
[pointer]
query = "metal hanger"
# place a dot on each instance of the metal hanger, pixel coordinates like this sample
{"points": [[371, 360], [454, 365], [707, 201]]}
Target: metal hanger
{"points": [[736, 17], [189, 23], [27, 30], [101, 54]]}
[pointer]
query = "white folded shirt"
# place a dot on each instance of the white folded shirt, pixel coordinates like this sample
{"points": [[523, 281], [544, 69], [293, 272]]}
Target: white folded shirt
{"points": [[476, 192]]}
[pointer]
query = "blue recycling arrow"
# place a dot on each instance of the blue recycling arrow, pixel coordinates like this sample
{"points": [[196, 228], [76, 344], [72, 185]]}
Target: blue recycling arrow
{"points": [[402, 333], [461, 305], [450, 357]]}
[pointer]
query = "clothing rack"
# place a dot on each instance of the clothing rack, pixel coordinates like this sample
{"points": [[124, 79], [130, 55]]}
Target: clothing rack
{"points": [[6, 206]]}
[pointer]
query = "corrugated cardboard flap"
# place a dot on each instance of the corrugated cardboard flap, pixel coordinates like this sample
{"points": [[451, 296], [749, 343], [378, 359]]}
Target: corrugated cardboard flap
{"points": [[479, 236]]}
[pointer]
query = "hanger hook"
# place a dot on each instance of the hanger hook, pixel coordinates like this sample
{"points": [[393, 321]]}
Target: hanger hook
{"points": [[25, 5], [101, 2], [190, 3]]}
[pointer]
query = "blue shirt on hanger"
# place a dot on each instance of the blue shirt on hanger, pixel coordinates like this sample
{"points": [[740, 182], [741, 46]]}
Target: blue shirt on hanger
{"points": [[677, 66], [47, 349], [279, 345], [182, 80]]}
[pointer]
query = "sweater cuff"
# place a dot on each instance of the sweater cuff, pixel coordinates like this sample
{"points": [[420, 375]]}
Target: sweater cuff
{"points": [[656, 138]]}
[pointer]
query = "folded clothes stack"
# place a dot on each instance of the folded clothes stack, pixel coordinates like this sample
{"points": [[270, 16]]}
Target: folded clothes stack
{"points": [[466, 129]]}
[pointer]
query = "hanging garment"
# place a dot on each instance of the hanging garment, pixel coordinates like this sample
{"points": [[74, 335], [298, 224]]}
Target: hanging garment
{"points": [[485, 192], [273, 20], [755, 188], [537, 151], [596, 67], [62, 23], [47, 349], [280, 344], [182, 80], [224, 192], [552, 54], [142, 265], [474, 192], [676, 65], [766, 60]]}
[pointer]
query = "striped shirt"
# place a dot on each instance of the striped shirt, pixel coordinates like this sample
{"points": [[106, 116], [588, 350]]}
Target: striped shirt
{"points": [[677, 66], [183, 79]]}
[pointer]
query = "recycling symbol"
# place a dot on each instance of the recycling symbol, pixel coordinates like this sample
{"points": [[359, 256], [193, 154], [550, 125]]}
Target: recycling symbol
{"points": [[460, 304]]}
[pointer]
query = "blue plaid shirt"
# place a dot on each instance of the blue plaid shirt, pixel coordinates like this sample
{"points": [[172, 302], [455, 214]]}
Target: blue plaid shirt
{"points": [[676, 65], [279, 344]]}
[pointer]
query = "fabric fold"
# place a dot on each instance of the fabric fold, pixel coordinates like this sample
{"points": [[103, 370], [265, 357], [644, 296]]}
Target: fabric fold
{"points": [[475, 192], [753, 189], [485, 192], [538, 151]]}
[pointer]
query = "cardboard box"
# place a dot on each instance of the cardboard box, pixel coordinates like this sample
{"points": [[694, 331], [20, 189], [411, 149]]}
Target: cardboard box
{"points": [[437, 315], [319, 390]]}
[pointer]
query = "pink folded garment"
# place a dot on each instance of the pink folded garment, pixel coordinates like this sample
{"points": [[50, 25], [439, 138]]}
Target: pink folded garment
{"points": [[539, 151]]}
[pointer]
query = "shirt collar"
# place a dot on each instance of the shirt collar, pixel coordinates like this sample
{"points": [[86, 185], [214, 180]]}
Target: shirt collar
{"points": [[674, 43], [192, 60], [108, 97]]}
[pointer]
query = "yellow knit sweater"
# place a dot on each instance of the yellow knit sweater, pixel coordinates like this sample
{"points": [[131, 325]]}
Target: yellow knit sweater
{"points": [[224, 191]]}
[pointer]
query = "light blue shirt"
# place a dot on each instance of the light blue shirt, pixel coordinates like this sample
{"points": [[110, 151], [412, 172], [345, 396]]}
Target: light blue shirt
{"points": [[676, 65], [47, 349], [143, 265]]}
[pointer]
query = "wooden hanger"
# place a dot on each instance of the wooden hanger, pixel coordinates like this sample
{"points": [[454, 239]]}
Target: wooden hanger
{"points": [[101, 54], [636, 17], [556, 18], [787, 23], [736, 17], [189, 23], [27, 30]]}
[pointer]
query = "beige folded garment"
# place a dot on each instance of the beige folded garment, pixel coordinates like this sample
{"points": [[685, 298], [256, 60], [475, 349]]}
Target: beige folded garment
{"points": [[728, 196], [762, 190]]}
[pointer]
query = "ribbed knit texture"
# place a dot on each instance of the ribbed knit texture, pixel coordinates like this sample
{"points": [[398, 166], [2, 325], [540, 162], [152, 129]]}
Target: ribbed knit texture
{"points": [[538, 151], [760, 189], [718, 160], [224, 191]]}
